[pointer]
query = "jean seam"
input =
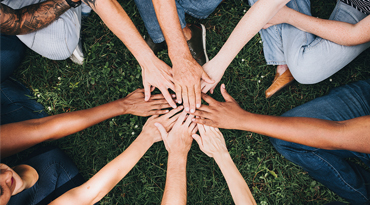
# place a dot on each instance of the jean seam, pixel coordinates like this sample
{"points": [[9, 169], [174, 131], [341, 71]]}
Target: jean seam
{"points": [[194, 15], [338, 174]]}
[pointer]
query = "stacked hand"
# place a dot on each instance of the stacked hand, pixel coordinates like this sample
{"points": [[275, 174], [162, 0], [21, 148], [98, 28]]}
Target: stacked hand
{"points": [[210, 141]]}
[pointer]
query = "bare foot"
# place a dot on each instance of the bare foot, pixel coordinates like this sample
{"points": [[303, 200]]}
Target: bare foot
{"points": [[281, 69]]}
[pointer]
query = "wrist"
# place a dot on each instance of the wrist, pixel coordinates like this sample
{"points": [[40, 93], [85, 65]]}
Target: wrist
{"points": [[244, 118], [221, 156], [145, 140], [145, 57]]}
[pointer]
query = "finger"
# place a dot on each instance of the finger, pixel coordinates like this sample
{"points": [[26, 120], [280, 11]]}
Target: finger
{"points": [[195, 129], [185, 98], [181, 119], [191, 95], [188, 120], [226, 95], [198, 95], [208, 99], [171, 86], [172, 112], [204, 121], [152, 89], [178, 93], [168, 97], [158, 112], [203, 112], [201, 129], [212, 89], [206, 78], [147, 91], [198, 139], [160, 106], [161, 130], [192, 126]]}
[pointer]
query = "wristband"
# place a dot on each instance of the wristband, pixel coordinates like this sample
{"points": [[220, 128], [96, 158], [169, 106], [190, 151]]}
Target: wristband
{"points": [[73, 4]]}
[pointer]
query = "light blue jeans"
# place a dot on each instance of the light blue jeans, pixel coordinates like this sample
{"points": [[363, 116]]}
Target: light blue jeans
{"points": [[330, 167], [196, 8], [310, 59]]}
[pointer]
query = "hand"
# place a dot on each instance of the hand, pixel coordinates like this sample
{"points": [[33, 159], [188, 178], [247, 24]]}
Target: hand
{"points": [[280, 17], [178, 140], [167, 120], [187, 76], [226, 114], [135, 104], [213, 72], [210, 141], [158, 74]]}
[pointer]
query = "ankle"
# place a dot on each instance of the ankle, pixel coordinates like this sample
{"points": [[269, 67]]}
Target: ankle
{"points": [[281, 69], [187, 32]]}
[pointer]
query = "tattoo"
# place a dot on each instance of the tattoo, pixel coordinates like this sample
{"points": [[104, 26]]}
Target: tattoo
{"points": [[91, 3], [30, 18]]}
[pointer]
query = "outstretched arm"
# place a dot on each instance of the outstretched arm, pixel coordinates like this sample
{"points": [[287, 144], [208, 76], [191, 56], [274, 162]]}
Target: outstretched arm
{"points": [[178, 143], [19, 136], [339, 32], [30, 18], [353, 134], [104, 181], [212, 143], [253, 21]]}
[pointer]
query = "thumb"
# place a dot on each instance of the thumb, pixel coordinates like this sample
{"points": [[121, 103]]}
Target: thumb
{"points": [[198, 139], [161, 130], [206, 78], [226, 95], [147, 91]]}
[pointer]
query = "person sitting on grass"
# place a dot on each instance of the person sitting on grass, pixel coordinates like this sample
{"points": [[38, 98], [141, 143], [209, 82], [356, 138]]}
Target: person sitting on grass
{"points": [[50, 173], [307, 49], [318, 135], [178, 142]]}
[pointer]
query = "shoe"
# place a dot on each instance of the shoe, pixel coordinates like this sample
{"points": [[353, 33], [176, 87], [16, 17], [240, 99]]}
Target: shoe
{"points": [[156, 47], [77, 55], [280, 81], [197, 43]]}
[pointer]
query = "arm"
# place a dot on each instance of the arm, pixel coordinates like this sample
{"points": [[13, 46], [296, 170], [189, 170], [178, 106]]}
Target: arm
{"points": [[30, 18], [104, 181], [155, 72], [19, 136], [353, 134], [187, 73], [339, 32], [178, 143], [253, 21], [212, 143]]}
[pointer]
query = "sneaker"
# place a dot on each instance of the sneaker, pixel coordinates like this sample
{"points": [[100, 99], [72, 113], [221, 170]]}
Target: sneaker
{"points": [[197, 43], [77, 55], [156, 47]]}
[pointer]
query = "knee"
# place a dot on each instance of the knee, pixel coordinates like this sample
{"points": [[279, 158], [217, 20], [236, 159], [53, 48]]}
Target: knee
{"points": [[306, 74]]}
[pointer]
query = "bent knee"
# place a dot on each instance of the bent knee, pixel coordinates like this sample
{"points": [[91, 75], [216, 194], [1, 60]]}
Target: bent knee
{"points": [[308, 74]]}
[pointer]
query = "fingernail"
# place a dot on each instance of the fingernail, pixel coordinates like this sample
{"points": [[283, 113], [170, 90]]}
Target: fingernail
{"points": [[193, 119], [192, 110], [187, 109], [198, 105], [167, 110], [174, 106], [173, 96], [223, 85], [179, 102]]}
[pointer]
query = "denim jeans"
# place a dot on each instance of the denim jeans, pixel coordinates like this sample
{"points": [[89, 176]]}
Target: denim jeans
{"points": [[16, 105], [57, 174], [310, 59], [330, 167], [198, 9]]}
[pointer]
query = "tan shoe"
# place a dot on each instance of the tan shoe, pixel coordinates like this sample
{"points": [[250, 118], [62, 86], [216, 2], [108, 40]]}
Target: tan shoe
{"points": [[280, 81]]}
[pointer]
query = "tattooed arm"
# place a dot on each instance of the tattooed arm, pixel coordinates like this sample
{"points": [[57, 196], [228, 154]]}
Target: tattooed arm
{"points": [[30, 18]]}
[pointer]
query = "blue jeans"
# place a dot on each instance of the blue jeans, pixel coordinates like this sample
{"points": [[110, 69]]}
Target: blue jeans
{"points": [[198, 9], [57, 175], [329, 167], [310, 59], [16, 105]]}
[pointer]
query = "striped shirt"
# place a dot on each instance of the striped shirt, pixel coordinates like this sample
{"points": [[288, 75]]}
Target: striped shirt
{"points": [[361, 5]]}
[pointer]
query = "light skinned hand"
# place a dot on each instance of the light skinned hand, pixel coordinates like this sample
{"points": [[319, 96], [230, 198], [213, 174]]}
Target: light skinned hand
{"points": [[211, 141], [187, 76], [178, 140], [135, 104], [225, 115], [279, 18], [167, 120], [158, 74], [211, 68]]}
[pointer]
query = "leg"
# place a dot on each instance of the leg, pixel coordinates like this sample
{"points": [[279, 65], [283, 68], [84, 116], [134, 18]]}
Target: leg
{"points": [[312, 59], [12, 53], [58, 40], [329, 167], [16, 105], [57, 174], [198, 9]]}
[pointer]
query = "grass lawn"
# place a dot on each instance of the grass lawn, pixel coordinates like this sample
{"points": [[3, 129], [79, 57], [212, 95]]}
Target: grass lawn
{"points": [[110, 72]]}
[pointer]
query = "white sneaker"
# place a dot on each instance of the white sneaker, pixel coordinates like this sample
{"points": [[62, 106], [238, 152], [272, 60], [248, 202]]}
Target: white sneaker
{"points": [[77, 55]]}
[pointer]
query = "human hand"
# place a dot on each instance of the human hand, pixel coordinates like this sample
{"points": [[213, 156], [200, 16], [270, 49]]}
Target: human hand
{"points": [[135, 104], [226, 114], [280, 17], [211, 68], [210, 141], [187, 76], [178, 140], [158, 74], [167, 120]]}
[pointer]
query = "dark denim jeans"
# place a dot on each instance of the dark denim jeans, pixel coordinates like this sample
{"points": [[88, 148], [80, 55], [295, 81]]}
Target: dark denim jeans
{"points": [[16, 105], [57, 175], [330, 167]]}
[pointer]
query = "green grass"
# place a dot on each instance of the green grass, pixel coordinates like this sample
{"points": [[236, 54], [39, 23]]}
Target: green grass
{"points": [[110, 72]]}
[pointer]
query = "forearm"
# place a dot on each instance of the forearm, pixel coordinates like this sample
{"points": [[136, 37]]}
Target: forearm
{"points": [[253, 21], [30, 18], [175, 190], [102, 182], [351, 134], [16, 137], [339, 32], [235, 181]]}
